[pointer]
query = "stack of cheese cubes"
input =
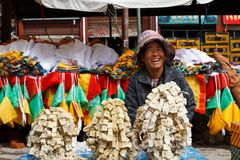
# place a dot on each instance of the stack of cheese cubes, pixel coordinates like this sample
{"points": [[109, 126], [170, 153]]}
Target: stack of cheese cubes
{"points": [[162, 128], [52, 134]]}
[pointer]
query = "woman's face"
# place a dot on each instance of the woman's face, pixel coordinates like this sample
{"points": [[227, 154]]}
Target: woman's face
{"points": [[153, 57]]}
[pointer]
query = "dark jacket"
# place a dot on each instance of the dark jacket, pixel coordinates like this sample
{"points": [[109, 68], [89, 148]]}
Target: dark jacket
{"points": [[139, 87]]}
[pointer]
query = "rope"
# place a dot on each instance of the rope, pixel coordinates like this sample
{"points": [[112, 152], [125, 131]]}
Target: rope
{"points": [[44, 25]]}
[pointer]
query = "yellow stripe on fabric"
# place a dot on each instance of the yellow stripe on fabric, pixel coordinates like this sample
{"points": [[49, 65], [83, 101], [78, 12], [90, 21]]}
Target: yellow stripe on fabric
{"points": [[27, 110], [216, 122], [7, 112], [49, 95], [64, 106], [18, 120], [84, 80], [231, 114], [195, 86], [10, 124]]}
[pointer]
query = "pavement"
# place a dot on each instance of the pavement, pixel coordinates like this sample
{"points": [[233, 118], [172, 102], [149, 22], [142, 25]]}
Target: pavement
{"points": [[7, 153], [215, 152], [209, 152]]}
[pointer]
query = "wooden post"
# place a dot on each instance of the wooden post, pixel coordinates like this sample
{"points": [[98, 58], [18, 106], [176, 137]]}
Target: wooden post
{"points": [[110, 27], [81, 29], [220, 25], [125, 24], [20, 28], [146, 23], [86, 30]]}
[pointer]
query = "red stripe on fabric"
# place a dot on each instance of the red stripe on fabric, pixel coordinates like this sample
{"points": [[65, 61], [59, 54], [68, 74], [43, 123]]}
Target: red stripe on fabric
{"points": [[32, 86], [218, 82], [223, 80], [124, 84], [50, 79], [103, 81], [68, 80], [93, 88], [210, 92], [112, 87], [1, 84], [12, 80], [202, 108], [55, 78]]}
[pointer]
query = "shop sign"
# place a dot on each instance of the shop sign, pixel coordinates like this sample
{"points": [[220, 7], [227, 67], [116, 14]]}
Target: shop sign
{"points": [[210, 19], [231, 19]]}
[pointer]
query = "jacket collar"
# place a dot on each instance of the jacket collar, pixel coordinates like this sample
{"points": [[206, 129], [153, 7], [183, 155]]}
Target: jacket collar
{"points": [[144, 77], [169, 73]]}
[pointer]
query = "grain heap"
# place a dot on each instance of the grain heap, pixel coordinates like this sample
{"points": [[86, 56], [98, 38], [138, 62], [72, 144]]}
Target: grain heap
{"points": [[162, 128], [51, 135], [109, 133]]}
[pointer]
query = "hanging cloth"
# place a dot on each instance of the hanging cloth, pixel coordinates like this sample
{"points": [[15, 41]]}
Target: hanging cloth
{"points": [[230, 110], [105, 84], [22, 110], [112, 87], [120, 93], [74, 106], [198, 86], [81, 97], [216, 122], [93, 87], [84, 80], [25, 100], [124, 84], [36, 102], [59, 96], [48, 96], [15, 92], [7, 112]]}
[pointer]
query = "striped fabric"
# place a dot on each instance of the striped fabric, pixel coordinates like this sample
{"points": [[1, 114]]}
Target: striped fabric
{"points": [[235, 137], [235, 153]]}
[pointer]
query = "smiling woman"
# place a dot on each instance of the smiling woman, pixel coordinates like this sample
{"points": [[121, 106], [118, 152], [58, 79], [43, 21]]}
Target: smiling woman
{"points": [[155, 54], [153, 58]]}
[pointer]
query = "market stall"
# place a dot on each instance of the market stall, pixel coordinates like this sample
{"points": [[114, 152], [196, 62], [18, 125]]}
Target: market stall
{"points": [[81, 93], [79, 90]]}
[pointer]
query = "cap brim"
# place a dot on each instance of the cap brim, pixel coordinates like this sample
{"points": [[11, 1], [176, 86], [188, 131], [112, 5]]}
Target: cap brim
{"points": [[147, 41]]}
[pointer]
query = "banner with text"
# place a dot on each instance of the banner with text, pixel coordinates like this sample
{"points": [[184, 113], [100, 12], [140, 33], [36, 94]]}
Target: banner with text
{"points": [[211, 19], [231, 19]]}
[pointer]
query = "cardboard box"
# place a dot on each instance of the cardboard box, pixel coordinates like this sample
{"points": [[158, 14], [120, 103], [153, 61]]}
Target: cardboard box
{"points": [[235, 134], [222, 49], [213, 37], [188, 43], [235, 58], [234, 44], [235, 153]]}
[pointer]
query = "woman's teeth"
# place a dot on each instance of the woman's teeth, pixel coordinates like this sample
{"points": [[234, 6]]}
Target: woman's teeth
{"points": [[155, 60]]}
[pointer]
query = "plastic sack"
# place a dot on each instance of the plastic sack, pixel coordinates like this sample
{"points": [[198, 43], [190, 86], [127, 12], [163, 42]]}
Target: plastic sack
{"points": [[86, 154], [190, 153], [141, 155], [28, 157]]}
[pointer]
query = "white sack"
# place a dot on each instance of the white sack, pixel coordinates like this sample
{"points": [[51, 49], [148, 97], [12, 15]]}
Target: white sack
{"points": [[45, 53], [103, 55]]}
